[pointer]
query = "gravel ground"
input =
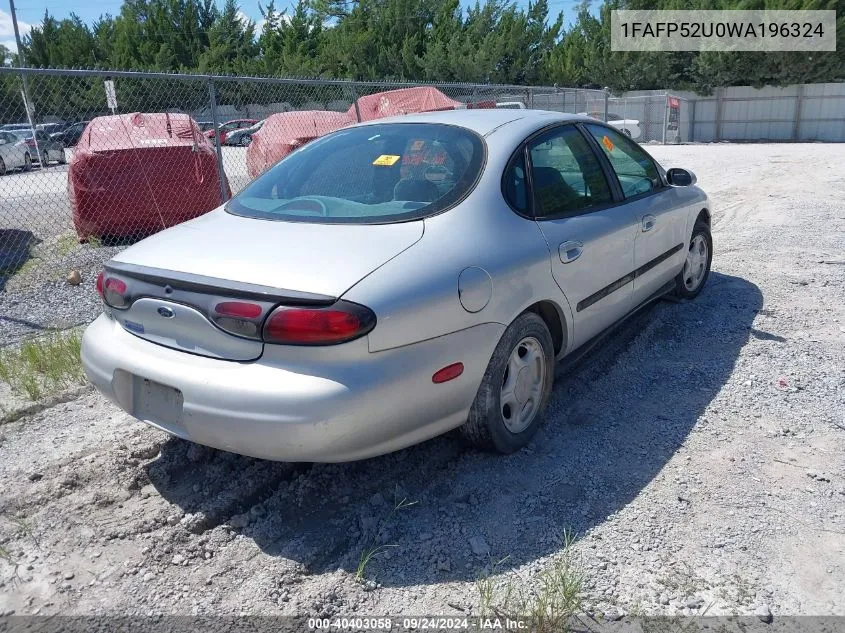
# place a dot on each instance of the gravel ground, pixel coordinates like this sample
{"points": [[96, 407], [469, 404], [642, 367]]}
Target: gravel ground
{"points": [[697, 455]]}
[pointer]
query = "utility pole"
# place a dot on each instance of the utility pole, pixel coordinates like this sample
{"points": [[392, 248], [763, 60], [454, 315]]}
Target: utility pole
{"points": [[22, 64]]}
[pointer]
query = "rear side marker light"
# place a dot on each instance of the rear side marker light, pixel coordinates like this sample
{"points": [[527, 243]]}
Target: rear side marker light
{"points": [[338, 323], [449, 372]]}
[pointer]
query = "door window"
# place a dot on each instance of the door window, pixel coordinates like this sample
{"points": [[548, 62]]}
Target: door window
{"points": [[635, 169], [565, 174]]}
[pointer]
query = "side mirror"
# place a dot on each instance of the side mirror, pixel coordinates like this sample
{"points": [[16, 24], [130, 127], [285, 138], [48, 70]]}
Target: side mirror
{"points": [[678, 177]]}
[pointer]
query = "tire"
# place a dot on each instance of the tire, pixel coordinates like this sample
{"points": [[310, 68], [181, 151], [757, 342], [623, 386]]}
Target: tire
{"points": [[27, 162], [246, 139], [494, 424], [2, 167], [62, 157], [690, 281], [627, 132]]}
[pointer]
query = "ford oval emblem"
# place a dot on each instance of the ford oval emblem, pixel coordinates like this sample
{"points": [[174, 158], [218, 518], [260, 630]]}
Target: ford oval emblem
{"points": [[167, 313]]}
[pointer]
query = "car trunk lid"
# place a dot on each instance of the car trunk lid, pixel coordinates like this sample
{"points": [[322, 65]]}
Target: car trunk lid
{"points": [[175, 282]]}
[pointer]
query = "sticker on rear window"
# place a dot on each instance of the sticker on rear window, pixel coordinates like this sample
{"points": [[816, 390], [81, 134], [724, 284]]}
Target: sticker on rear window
{"points": [[607, 143], [417, 146], [386, 160]]}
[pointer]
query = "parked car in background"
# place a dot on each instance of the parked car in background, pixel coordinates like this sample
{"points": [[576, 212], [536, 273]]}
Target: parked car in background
{"points": [[14, 153], [219, 135], [335, 310], [134, 174], [46, 150], [70, 135], [242, 136], [50, 128], [204, 126], [630, 127]]}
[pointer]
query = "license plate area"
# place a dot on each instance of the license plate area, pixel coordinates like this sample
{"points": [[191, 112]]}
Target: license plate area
{"points": [[155, 402]]}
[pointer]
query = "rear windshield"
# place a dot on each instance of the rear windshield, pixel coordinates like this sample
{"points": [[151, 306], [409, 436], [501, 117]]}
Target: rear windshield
{"points": [[381, 173]]}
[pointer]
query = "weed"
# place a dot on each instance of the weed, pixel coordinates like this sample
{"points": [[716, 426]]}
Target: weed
{"points": [[5, 555], [67, 243], [43, 365], [549, 600], [373, 548]]}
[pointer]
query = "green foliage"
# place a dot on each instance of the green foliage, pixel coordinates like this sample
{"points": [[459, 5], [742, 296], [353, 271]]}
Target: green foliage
{"points": [[498, 41]]}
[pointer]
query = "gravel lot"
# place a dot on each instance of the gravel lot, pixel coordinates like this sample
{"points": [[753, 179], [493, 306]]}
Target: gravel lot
{"points": [[697, 455]]}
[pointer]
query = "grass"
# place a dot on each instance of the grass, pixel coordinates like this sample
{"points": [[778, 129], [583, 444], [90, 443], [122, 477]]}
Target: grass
{"points": [[548, 601], [373, 548], [43, 366]]}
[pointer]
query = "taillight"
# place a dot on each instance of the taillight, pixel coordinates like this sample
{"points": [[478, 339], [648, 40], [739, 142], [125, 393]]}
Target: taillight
{"points": [[242, 318], [338, 323], [100, 285], [114, 292]]}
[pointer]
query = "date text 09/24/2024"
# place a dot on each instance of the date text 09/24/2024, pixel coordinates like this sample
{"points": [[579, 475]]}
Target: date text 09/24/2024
{"points": [[418, 624]]}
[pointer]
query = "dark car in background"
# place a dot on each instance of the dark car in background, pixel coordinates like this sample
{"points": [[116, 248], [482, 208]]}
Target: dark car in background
{"points": [[242, 137], [70, 135], [219, 135]]}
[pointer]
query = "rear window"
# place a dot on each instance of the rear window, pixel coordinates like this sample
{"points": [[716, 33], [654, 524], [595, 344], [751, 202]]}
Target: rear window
{"points": [[381, 173]]}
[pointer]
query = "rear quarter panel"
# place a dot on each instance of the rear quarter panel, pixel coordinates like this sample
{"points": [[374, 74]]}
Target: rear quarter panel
{"points": [[415, 294]]}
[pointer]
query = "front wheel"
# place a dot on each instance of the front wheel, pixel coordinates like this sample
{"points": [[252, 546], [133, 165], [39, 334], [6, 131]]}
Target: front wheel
{"points": [[2, 167], [246, 139], [690, 281], [27, 162], [510, 404]]}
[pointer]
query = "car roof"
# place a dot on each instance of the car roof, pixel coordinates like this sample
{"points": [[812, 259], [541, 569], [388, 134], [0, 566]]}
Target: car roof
{"points": [[484, 121]]}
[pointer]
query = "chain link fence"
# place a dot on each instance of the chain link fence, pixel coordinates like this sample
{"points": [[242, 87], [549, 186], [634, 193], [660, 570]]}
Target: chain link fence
{"points": [[92, 161]]}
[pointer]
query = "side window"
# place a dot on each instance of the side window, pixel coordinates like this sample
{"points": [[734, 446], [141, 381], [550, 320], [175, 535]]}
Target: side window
{"points": [[515, 188], [565, 174], [635, 169]]}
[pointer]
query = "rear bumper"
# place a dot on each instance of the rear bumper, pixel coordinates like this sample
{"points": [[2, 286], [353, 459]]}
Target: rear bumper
{"points": [[329, 404]]}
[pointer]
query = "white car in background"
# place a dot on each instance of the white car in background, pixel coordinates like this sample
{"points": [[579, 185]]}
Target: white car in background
{"points": [[14, 153], [629, 127]]}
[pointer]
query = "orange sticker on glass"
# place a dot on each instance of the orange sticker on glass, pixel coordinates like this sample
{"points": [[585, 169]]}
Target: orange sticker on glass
{"points": [[386, 160], [417, 146], [607, 143]]}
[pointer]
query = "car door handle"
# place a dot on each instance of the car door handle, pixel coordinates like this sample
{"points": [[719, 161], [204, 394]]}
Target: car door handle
{"points": [[648, 222], [570, 251]]}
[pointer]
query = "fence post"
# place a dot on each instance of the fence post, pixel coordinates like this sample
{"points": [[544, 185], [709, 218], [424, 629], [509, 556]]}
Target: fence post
{"points": [[355, 103], [799, 107], [606, 100], [692, 119], [212, 99], [665, 116], [719, 103]]}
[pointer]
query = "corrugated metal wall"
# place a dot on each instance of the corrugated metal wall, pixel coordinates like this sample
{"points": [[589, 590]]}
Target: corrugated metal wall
{"points": [[802, 112]]}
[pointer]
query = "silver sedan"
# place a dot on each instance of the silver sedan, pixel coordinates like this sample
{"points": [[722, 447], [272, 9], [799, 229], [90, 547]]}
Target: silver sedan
{"points": [[395, 280]]}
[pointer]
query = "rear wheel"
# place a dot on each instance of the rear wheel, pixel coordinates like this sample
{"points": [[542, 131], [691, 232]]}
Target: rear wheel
{"points": [[62, 157], [27, 162], [246, 139], [2, 167], [511, 401], [691, 279], [627, 132]]}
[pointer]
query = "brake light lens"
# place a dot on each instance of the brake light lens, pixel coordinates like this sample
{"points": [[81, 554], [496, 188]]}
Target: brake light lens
{"points": [[340, 322], [239, 309], [241, 318], [114, 292]]}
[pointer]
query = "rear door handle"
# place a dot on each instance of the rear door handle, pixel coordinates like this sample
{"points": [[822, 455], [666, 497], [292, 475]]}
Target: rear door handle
{"points": [[648, 222], [570, 251]]}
